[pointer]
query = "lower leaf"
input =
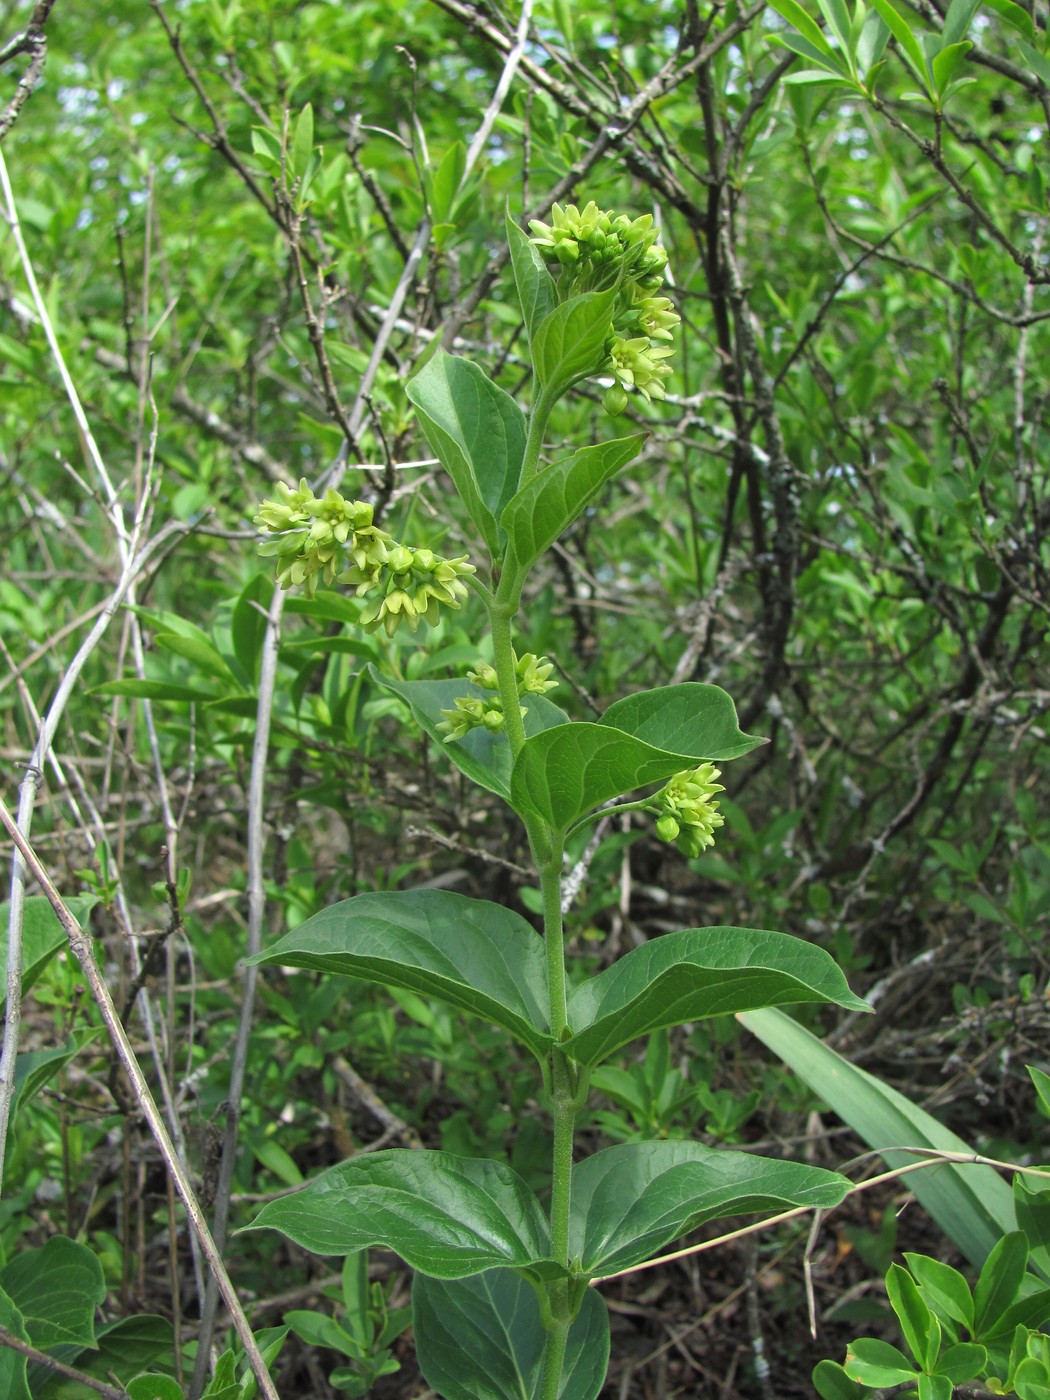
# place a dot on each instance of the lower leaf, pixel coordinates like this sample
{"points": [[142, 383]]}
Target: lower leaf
{"points": [[482, 1339]]}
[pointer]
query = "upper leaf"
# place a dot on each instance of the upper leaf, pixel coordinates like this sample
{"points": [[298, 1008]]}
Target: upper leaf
{"points": [[446, 1216], [477, 430], [563, 772], [630, 1201], [536, 289], [541, 510], [570, 343], [472, 954], [694, 973], [483, 756]]}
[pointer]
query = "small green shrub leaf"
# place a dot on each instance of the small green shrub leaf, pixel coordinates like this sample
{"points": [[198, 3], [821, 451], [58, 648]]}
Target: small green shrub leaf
{"points": [[13, 1384], [944, 1288], [831, 1383], [541, 510], [477, 430], [154, 1387], [478, 956], [56, 1288], [999, 1284], [482, 1338], [695, 973], [630, 1201], [449, 1217], [878, 1363], [921, 1330], [692, 719], [962, 1362]]}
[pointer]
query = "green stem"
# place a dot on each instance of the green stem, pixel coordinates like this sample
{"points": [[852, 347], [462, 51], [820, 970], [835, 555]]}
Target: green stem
{"points": [[504, 662], [538, 420]]}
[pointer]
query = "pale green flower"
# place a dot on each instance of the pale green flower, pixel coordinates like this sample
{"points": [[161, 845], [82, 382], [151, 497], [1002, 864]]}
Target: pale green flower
{"points": [[532, 673], [638, 364], [688, 815]]}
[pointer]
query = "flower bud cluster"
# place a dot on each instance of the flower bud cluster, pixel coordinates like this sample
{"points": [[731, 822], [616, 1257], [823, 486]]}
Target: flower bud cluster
{"points": [[474, 712], [328, 539], [686, 813], [595, 251]]}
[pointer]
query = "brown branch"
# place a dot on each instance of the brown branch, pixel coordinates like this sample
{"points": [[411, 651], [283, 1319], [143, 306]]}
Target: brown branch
{"points": [[41, 1358], [32, 41]]}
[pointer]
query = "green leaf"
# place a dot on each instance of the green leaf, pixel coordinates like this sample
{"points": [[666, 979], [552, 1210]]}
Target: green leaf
{"points": [[552, 500], [831, 1383], [934, 1388], [248, 623], [695, 973], [999, 1284], [42, 935], [136, 689], [201, 654], [477, 430], [971, 1204], [446, 1216], [1042, 1087], [800, 20], [947, 63], [303, 141], [56, 1288], [155, 1387], [921, 1329], [962, 1362], [129, 1345], [35, 1068], [563, 772], [1015, 16], [478, 956], [630, 1201], [482, 1339], [958, 20], [13, 1383], [1039, 65], [570, 343], [536, 290], [944, 1288], [484, 757], [901, 30], [878, 1363], [447, 179], [1032, 1204]]}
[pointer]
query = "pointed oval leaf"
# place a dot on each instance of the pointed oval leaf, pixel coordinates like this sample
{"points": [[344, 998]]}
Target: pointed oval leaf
{"points": [[57, 1289], [484, 757], [446, 1216], [691, 719], [536, 290], [569, 344], [13, 1384], [478, 956], [944, 1288], [477, 430], [630, 1201], [482, 1339], [920, 1328], [694, 973], [878, 1363], [541, 510], [999, 1284], [972, 1204], [797, 16], [646, 738]]}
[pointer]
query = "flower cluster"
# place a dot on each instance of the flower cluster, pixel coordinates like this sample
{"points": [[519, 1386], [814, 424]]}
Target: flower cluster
{"points": [[687, 815], [328, 539], [595, 251], [473, 711]]}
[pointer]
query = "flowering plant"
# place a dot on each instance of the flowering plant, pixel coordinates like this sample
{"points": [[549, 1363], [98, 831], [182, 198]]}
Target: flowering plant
{"points": [[503, 1299]]}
